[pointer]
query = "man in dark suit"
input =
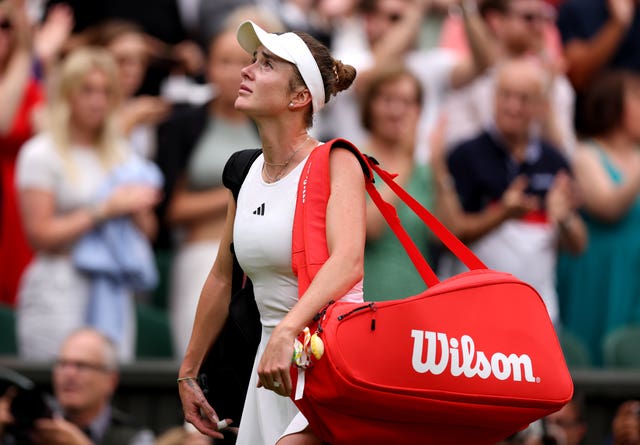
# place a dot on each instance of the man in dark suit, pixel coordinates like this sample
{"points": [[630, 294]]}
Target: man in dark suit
{"points": [[85, 377]]}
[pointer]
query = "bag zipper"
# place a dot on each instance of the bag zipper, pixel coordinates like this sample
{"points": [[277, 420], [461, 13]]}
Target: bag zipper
{"points": [[320, 316], [371, 306]]}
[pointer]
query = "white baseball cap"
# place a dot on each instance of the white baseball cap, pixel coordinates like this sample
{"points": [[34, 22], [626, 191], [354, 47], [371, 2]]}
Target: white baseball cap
{"points": [[290, 47]]}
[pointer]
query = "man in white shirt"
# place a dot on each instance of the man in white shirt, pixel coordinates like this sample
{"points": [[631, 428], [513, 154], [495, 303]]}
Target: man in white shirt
{"points": [[389, 31]]}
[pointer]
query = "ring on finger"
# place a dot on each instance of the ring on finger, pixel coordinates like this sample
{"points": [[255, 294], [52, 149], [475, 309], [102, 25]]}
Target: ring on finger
{"points": [[276, 384]]}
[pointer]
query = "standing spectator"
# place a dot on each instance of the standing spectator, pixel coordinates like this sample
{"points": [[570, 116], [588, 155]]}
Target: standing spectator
{"points": [[208, 18], [390, 112], [598, 34], [516, 29], [159, 19], [389, 35], [138, 115], [203, 138], [51, 38], [85, 378], [453, 35], [21, 96], [515, 198], [600, 289], [59, 176]]}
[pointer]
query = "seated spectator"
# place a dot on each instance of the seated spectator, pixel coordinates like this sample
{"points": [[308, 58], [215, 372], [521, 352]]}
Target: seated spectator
{"points": [[516, 29], [600, 289], [62, 176], [569, 422], [195, 146], [626, 424], [22, 97], [85, 378], [390, 112], [536, 434], [514, 202]]}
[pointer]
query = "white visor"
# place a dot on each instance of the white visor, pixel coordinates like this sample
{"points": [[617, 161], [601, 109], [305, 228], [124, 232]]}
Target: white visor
{"points": [[290, 47]]}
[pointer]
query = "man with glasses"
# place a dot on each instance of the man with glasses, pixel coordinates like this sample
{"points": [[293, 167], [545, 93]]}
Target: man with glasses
{"points": [[519, 28], [510, 194], [85, 377], [389, 34]]}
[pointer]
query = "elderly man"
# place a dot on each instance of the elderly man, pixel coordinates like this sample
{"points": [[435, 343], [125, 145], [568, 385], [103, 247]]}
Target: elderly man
{"points": [[514, 200], [85, 377]]}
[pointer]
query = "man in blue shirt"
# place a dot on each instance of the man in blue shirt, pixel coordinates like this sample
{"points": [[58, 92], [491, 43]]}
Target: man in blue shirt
{"points": [[514, 200]]}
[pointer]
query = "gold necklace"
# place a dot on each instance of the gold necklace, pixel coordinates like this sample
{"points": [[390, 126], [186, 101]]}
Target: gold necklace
{"points": [[283, 164]]}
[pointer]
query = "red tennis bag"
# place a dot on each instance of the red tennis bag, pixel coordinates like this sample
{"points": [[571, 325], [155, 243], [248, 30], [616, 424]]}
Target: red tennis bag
{"points": [[471, 360]]}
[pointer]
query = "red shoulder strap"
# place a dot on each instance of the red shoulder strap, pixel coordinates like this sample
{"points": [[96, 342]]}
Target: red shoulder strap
{"points": [[309, 243]]}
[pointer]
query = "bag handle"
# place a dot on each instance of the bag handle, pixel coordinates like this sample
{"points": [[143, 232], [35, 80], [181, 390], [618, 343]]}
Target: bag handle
{"points": [[457, 247]]}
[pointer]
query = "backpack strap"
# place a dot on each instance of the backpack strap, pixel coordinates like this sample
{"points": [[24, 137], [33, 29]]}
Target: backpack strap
{"points": [[309, 243], [235, 171], [237, 168]]}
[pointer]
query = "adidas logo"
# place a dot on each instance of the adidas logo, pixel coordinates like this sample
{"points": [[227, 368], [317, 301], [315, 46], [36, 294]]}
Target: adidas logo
{"points": [[260, 210]]}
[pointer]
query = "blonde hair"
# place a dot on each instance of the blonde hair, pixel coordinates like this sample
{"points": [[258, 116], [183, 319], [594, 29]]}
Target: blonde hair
{"points": [[69, 78]]}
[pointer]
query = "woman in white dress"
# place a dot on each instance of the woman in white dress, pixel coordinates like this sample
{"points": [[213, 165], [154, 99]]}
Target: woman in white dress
{"points": [[291, 77]]}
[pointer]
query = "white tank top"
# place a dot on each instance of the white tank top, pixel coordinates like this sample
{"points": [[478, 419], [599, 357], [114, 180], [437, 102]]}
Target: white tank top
{"points": [[262, 240]]}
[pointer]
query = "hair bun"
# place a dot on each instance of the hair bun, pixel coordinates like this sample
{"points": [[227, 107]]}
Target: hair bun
{"points": [[345, 74]]}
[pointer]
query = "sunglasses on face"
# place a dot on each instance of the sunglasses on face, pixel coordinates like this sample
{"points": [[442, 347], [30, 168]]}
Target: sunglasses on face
{"points": [[5, 24]]}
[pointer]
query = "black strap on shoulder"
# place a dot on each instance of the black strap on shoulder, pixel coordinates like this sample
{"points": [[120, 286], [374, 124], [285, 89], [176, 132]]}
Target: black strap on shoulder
{"points": [[237, 168]]}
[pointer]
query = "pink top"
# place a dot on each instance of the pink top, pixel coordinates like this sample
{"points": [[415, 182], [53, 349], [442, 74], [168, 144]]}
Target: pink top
{"points": [[453, 37]]}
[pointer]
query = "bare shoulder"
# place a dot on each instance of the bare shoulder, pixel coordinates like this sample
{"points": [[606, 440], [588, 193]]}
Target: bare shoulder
{"points": [[585, 158], [344, 164]]}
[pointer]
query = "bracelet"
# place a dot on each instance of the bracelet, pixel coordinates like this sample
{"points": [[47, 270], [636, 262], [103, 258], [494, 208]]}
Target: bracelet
{"points": [[182, 379]]}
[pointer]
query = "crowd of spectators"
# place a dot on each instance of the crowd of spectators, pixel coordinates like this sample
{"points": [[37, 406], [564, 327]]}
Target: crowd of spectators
{"points": [[516, 121]]}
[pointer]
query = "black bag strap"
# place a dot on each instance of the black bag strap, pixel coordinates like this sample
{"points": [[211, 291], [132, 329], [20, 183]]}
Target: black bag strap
{"points": [[225, 373], [237, 168]]}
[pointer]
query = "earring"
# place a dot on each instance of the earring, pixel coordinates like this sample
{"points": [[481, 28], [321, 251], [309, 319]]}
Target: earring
{"points": [[290, 104]]}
